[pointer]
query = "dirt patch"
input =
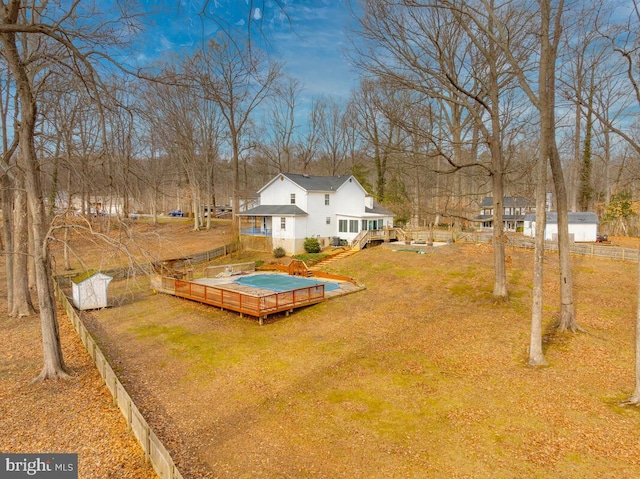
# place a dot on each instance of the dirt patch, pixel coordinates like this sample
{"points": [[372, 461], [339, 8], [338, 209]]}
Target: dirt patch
{"points": [[420, 375]]}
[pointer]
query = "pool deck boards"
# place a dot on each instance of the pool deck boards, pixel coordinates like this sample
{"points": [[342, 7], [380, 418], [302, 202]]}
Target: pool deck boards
{"points": [[223, 292]]}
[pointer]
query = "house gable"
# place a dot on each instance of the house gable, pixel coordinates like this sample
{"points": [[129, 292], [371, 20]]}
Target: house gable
{"points": [[294, 207]]}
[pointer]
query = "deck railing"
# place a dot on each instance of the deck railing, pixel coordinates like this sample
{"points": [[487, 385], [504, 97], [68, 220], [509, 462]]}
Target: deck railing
{"points": [[253, 231], [244, 303], [385, 234]]}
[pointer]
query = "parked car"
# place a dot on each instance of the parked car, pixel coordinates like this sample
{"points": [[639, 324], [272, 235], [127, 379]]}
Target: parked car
{"points": [[176, 213]]}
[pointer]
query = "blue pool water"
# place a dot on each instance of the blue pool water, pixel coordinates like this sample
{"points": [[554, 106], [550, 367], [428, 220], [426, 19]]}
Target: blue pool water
{"points": [[283, 282]]}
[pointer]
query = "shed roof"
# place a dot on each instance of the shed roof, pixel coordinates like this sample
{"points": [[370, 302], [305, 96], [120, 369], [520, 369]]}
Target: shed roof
{"points": [[581, 217], [88, 274]]}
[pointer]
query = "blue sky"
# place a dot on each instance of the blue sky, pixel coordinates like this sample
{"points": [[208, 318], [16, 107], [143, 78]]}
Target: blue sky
{"points": [[308, 35]]}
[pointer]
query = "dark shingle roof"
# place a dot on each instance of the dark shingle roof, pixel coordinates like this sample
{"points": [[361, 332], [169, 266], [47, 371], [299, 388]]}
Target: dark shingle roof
{"points": [[274, 210], [508, 202], [574, 217], [318, 183], [379, 210]]}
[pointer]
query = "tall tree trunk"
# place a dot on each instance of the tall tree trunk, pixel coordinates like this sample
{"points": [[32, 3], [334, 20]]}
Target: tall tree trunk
{"points": [[497, 166], [548, 55], [635, 397], [536, 354], [575, 167], [22, 304], [586, 188], [7, 236], [53, 363], [567, 320], [235, 205]]}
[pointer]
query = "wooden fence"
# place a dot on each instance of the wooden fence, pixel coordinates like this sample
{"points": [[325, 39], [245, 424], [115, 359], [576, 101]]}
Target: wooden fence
{"points": [[64, 281], [154, 450], [587, 249]]}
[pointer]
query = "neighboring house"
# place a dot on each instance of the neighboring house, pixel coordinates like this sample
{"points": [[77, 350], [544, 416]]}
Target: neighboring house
{"points": [[583, 227], [95, 204], [514, 210], [295, 207]]}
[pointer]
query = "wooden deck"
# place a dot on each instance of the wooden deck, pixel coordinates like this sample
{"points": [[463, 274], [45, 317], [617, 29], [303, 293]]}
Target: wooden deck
{"points": [[258, 304]]}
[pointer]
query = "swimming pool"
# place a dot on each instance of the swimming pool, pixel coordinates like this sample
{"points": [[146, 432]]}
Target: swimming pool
{"points": [[283, 282]]}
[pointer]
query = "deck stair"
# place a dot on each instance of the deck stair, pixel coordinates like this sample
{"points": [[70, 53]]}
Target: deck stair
{"points": [[333, 258], [383, 235], [299, 268]]}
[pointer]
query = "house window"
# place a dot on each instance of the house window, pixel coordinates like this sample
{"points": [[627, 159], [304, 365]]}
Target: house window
{"points": [[364, 225], [326, 200], [293, 198], [283, 223], [353, 226], [342, 226], [328, 220]]}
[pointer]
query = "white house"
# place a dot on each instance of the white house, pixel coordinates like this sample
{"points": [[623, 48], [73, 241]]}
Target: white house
{"points": [[583, 227], [89, 290], [295, 207]]}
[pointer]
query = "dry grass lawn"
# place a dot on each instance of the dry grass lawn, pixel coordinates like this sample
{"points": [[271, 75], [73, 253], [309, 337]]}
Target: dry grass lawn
{"points": [[78, 415], [420, 375]]}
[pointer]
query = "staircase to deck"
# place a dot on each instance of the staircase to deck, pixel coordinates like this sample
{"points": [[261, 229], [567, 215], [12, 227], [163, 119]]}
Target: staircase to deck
{"points": [[333, 258], [383, 235]]}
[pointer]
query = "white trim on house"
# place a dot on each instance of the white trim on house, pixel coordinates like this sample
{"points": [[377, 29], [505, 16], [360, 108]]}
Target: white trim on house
{"points": [[309, 215]]}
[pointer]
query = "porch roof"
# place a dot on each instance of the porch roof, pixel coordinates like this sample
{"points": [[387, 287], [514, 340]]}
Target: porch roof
{"points": [[379, 210], [274, 210]]}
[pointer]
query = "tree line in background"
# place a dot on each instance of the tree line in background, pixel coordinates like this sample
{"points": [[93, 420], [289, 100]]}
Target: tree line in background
{"points": [[433, 111], [458, 100]]}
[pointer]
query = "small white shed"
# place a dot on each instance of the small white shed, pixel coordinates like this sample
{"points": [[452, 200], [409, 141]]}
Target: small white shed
{"points": [[583, 226], [89, 290]]}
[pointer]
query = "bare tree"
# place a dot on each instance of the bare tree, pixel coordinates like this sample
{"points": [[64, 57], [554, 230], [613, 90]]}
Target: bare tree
{"points": [[433, 48], [38, 23], [307, 148], [513, 34], [280, 125], [624, 43], [376, 106], [332, 139], [238, 81]]}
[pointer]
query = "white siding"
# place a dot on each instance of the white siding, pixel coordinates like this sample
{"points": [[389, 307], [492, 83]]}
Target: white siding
{"points": [[91, 293], [582, 233], [347, 202], [318, 213], [279, 193]]}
